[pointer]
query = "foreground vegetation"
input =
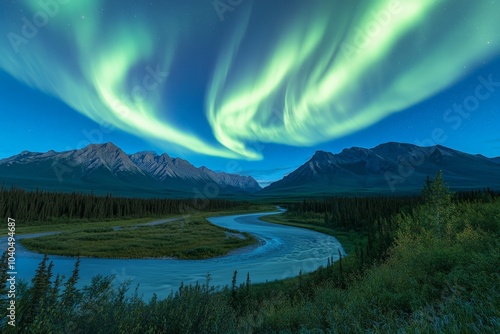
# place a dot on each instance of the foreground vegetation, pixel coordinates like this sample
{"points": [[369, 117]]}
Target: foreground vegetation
{"points": [[434, 269], [191, 238]]}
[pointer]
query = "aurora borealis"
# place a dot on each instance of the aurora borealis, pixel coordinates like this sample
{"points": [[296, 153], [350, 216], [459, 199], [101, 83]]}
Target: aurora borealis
{"points": [[222, 79]]}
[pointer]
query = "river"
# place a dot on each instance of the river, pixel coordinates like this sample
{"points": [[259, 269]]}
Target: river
{"points": [[283, 251]]}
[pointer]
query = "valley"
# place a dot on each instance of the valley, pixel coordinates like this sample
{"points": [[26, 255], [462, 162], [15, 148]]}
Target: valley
{"points": [[339, 236], [378, 263]]}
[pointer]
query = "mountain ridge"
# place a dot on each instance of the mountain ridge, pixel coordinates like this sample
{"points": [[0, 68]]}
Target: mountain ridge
{"points": [[388, 168], [108, 167], [394, 168]]}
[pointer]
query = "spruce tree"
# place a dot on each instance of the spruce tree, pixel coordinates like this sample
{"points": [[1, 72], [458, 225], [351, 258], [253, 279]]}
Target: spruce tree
{"points": [[71, 294], [437, 199]]}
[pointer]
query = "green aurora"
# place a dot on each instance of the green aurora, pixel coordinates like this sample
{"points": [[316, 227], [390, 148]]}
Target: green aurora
{"points": [[327, 70]]}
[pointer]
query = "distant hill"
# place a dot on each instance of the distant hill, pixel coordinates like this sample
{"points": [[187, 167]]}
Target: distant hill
{"points": [[105, 168], [391, 168]]}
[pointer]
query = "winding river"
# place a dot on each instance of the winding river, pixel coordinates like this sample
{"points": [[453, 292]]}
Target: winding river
{"points": [[283, 251]]}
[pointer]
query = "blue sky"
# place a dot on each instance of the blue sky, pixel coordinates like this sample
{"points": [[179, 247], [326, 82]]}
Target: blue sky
{"points": [[255, 89]]}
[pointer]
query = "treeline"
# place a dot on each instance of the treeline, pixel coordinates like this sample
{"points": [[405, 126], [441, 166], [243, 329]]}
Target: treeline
{"points": [[483, 196], [43, 206], [372, 216], [359, 213], [355, 213], [441, 275]]}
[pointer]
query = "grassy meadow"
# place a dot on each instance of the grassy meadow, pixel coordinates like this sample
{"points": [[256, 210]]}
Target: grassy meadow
{"points": [[193, 239], [68, 225]]}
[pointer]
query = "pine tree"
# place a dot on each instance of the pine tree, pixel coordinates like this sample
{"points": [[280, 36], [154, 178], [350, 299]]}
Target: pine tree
{"points": [[38, 292], [71, 294], [437, 199], [234, 290]]}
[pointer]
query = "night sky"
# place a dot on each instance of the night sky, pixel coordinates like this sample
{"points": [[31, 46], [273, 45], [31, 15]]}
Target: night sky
{"points": [[252, 87]]}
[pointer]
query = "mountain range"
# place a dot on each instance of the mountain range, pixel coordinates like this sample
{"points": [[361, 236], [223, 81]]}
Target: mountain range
{"points": [[396, 168], [105, 168], [390, 168]]}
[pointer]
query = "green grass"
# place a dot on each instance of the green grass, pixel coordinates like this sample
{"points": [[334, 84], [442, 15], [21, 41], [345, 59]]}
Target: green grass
{"points": [[182, 239], [191, 237], [74, 225]]}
